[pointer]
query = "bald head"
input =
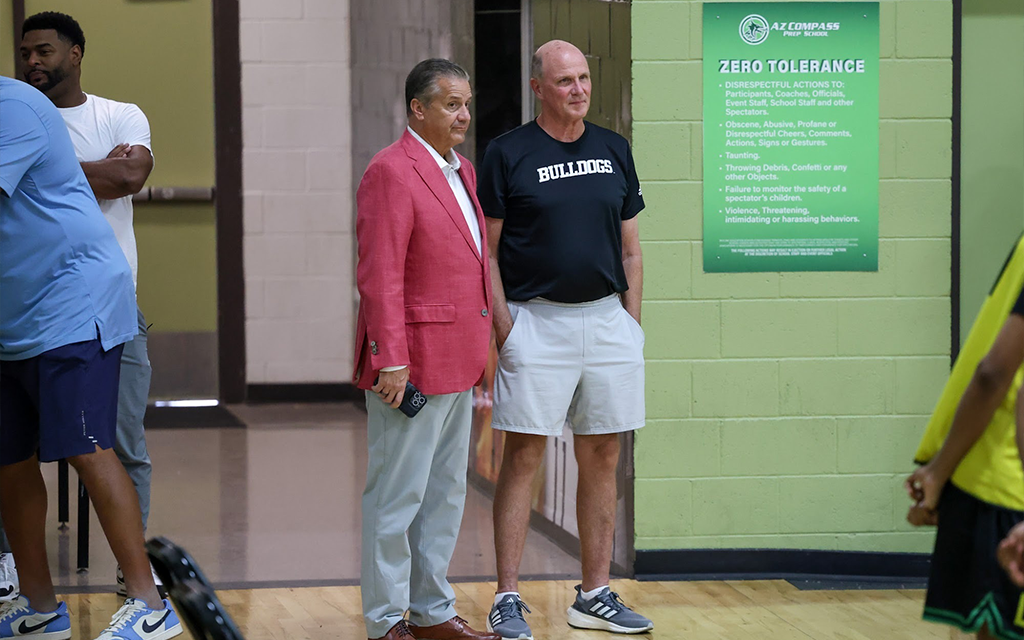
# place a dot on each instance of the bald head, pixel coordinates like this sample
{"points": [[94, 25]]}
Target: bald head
{"points": [[551, 51], [560, 79]]}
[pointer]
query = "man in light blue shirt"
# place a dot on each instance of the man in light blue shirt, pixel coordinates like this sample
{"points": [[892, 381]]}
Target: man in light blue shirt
{"points": [[67, 307]]}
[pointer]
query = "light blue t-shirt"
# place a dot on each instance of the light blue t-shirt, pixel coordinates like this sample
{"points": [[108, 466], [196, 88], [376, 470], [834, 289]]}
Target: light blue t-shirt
{"points": [[63, 277]]}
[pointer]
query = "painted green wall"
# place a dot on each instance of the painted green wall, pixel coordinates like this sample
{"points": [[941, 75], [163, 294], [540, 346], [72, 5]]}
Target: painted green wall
{"points": [[992, 145], [6, 39], [784, 408], [159, 55]]}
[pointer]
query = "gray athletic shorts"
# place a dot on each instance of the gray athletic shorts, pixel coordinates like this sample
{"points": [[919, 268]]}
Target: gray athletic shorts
{"points": [[578, 362]]}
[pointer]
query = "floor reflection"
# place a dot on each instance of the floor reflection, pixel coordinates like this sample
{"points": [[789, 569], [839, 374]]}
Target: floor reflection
{"points": [[274, 504]]}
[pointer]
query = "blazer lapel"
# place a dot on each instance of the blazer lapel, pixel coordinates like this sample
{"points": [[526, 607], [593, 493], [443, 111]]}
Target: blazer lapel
{"points": [[482, 224], [472, 197], [438, 185]]}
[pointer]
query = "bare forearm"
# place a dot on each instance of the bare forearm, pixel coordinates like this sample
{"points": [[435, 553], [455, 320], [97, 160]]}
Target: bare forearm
{"points": [[1020, 424], [978, 405], [113, 178], [502, 317], [633, 297]]}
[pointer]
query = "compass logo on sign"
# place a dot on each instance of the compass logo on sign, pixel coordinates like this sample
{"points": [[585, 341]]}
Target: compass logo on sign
{"points": [[754, 29]]}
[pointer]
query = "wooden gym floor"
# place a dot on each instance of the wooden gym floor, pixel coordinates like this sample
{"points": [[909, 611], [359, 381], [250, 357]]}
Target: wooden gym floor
{"points": [[276, 505], [766, 610]]}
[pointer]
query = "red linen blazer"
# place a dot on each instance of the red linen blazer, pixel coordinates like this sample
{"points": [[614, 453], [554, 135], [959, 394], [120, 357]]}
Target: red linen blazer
{"points": [[425, 292]]}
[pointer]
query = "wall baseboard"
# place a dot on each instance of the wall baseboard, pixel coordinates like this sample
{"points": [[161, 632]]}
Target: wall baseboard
{"points": [[694, 564], [218, 417], [303, 392]]}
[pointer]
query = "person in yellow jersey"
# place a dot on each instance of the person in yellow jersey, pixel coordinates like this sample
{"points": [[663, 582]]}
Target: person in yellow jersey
{"points": [[1011, 549], [971, 482]]}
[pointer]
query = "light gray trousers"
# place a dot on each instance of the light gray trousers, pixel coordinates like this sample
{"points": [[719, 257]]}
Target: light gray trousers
{"points": [[412, 509], [132, 398]]}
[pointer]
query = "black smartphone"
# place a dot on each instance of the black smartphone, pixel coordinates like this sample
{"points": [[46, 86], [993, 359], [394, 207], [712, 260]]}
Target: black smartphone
{"points": [[412, 401]]}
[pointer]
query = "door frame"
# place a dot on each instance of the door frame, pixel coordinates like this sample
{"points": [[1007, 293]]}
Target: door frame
{"points": [[230, 229], [954, 236]]}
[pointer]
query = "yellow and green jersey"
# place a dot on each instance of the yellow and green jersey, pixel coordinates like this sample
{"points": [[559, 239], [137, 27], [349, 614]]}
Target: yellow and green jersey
{"points": [[991, 470]]}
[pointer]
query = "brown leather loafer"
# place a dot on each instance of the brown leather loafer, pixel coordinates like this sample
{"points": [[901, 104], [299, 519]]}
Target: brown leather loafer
{"points": [[398, 632], [454, 629]]}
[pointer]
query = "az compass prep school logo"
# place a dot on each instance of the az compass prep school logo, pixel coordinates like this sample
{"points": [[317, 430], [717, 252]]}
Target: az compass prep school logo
{"points": [[754, 29]]}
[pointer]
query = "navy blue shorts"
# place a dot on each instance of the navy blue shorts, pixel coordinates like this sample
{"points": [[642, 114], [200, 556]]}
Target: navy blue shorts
{"points": [[61, 403]]}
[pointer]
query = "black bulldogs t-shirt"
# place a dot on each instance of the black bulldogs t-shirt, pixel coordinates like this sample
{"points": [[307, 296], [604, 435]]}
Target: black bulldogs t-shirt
{"points": [[563, 204]]}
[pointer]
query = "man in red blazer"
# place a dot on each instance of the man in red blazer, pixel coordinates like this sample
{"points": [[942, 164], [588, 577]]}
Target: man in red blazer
{"points": [[425, 288]]}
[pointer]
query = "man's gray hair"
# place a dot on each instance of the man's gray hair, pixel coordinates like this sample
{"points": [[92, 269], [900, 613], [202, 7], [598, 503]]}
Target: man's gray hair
{"points": [[421, 83], [536, 65]]}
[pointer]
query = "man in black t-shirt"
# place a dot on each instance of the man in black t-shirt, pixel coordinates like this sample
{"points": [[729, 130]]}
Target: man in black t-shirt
{"points": [[561, 196]]}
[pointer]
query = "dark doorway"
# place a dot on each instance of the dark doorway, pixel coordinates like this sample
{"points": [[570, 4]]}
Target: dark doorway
{"points": [[498, 62]]}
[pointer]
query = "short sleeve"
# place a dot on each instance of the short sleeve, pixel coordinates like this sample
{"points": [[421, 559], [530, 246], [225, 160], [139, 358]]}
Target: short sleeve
{"points": [[492, 182], [133, 127], [634, 201], [23, 142]]}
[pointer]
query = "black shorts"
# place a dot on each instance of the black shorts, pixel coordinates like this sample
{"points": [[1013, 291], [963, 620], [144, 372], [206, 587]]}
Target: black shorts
{"points": [[61, 403], [967, 588]]}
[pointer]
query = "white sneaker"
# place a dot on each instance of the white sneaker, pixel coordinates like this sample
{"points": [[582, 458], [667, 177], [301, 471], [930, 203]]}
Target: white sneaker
{"points": [[9, 588], [122, 588], [136, 621], [19, 620]]}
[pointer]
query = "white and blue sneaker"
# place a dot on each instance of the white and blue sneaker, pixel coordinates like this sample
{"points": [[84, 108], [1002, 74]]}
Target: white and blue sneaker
{"points": [[19, 620], [9, 589], [605, 612], [506, 619], [136, 621]]}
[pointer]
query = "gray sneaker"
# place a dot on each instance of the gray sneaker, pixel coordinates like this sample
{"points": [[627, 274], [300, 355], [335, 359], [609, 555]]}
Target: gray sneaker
{"points": [[506, 619], [605, 612]]}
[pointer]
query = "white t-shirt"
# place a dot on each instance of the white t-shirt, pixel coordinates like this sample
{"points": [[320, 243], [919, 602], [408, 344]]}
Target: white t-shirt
{"points": [[97, 126]]}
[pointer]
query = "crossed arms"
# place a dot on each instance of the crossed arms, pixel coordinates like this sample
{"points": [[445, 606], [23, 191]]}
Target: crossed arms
{"points": [[122, 173]]}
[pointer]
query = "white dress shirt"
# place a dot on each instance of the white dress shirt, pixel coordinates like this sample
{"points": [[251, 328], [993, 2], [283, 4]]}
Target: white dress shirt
{"points": [[450, 168]]}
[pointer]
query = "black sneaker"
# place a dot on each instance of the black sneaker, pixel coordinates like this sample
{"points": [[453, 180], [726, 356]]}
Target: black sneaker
{"points": [[605, 612]]}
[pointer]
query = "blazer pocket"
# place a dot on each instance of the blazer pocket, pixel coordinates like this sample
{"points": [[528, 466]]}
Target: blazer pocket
{"points": [[429, 313]]}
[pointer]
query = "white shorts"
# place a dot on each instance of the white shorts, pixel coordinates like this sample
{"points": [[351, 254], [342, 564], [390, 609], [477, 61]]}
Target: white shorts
{"points": [[581, 363]]}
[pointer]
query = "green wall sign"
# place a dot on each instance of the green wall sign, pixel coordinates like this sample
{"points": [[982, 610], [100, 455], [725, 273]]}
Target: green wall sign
{"points": [[791, 136]]}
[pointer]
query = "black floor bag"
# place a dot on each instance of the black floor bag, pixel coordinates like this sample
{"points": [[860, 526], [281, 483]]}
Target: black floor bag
{"points": [[192, 594]]}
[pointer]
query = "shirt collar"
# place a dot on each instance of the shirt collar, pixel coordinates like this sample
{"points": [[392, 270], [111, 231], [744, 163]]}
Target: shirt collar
{"points": [[451, 161]]}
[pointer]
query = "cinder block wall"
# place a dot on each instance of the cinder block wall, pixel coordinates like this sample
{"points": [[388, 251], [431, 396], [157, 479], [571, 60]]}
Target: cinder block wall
{"points": [[296, 175], [784, 408], [388, 39]]}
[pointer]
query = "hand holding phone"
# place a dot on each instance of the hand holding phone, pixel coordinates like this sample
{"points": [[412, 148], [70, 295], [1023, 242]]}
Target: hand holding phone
{"points": [[390, 385], [412, 400]]}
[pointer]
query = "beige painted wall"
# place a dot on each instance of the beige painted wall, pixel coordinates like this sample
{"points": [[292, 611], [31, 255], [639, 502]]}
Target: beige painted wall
{"points": [[297, 185]]}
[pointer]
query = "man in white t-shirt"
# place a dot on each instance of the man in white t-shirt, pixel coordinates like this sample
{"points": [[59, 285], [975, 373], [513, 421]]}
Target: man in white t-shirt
{"points": [[112, 142]]}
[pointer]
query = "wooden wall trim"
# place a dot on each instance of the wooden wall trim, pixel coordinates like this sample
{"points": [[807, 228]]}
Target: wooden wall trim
{"points": [[227, 77], [17, 19]]}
